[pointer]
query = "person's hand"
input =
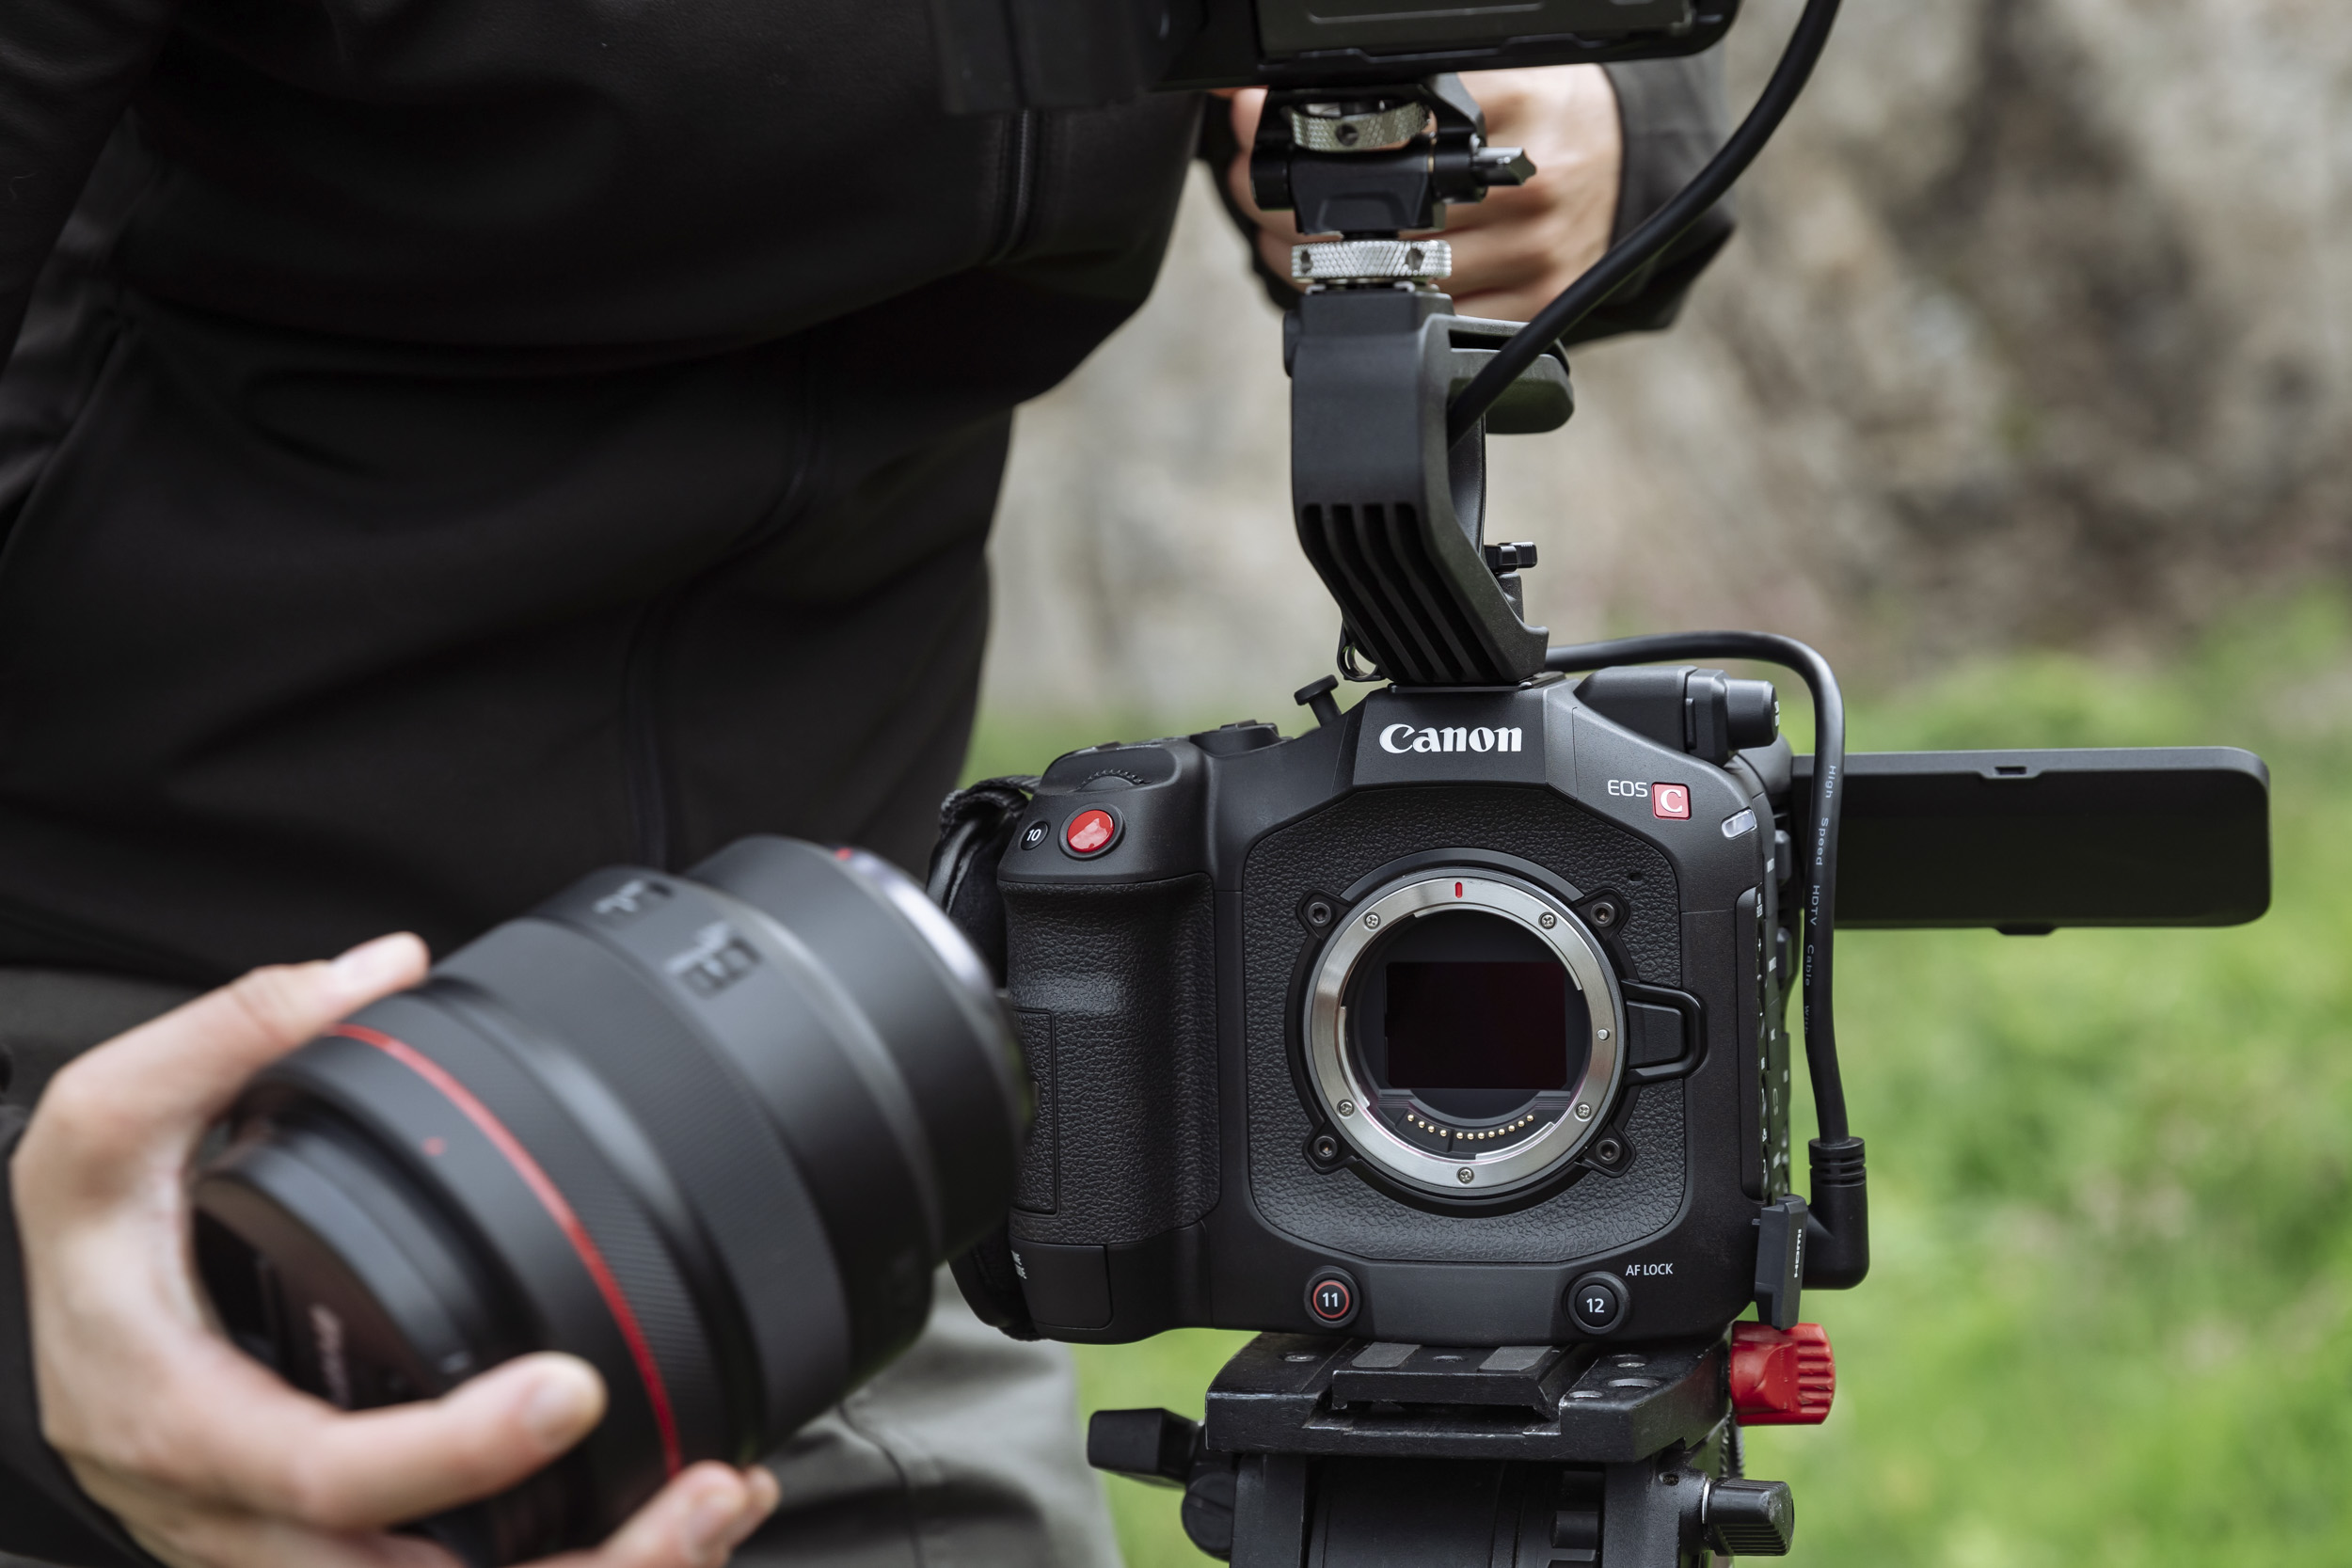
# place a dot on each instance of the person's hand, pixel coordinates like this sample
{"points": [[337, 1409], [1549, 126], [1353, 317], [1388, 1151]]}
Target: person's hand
{"points": [[206, 1458], [1522, 246]]}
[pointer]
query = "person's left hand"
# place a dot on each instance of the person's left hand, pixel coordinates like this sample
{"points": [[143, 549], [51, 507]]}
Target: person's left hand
{"points": [[1522, 246], [203, 1455]]}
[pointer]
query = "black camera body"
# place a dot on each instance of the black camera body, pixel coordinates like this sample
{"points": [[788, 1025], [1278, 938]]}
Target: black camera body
{"points": [[1457, 1020]]}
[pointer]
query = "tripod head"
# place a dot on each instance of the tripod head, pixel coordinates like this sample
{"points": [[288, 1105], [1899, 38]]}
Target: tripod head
{"points": [[1389, 510]]}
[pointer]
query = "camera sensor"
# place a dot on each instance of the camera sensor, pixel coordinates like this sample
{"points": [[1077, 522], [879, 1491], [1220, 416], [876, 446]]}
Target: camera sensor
{"points": [[1476, 1028]]}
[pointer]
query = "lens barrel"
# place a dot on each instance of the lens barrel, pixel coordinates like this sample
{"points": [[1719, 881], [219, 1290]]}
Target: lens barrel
{"points": [[710, 1133]]}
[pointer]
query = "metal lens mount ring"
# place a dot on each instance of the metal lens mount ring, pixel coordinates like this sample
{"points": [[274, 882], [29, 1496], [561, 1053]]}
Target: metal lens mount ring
{"points": [[1347, 1100]]}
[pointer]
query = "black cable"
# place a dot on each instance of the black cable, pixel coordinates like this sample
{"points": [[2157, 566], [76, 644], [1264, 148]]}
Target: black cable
{"points": [[1667, 225], [1818, 855]]}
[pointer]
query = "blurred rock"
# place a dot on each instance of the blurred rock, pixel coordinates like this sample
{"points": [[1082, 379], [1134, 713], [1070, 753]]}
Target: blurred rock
{"points": [[2038, 331]]}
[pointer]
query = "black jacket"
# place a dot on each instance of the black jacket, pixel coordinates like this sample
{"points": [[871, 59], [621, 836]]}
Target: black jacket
{"points": [[451, 447]]}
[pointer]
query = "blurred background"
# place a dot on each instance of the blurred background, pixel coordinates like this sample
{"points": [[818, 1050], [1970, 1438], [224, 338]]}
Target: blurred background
{"points": [[2026, 392]]}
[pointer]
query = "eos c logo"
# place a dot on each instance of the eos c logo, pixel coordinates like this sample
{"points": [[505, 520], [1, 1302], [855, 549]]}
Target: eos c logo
{"points": [[1668, 800], [1401, 738]]}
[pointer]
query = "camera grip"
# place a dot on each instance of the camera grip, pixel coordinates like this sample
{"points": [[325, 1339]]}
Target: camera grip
{"points": [[1114, 988]]}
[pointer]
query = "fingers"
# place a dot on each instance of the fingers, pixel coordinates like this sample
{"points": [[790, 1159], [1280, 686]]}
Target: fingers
{"points": [[308, 1463], [695, 1522], [1276, 231], [208, 1459], [1523, 244], [1515, 250], [221, 1432], [151, 1093], [1248, 103], [1511, 270], [224, 1540]]}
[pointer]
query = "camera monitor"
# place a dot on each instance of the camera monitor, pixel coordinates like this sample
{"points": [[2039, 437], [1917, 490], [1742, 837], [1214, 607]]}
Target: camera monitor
{"points": [[2030, 841], [997, 56]]}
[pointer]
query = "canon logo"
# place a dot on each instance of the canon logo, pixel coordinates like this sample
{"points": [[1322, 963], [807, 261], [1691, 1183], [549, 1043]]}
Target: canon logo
{"points": [[1405, 737]]}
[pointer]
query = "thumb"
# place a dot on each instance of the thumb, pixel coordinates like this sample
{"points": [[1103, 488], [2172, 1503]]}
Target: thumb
{"points": [[1248, 103], [152, 1091]]}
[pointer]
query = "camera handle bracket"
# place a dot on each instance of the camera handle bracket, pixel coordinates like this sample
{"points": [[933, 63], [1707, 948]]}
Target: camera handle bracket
{"points": [[1347, 1451], [1389, 510]]}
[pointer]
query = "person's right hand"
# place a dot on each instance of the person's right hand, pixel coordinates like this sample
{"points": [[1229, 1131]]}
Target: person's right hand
{"points": [[207, 1459]]}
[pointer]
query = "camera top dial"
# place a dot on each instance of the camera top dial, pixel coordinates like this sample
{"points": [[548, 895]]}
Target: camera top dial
{"points": [[1464, 1033]]}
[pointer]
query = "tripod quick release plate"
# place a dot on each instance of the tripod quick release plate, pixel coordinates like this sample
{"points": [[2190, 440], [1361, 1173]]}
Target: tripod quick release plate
{"points": [[1300, 1393]]}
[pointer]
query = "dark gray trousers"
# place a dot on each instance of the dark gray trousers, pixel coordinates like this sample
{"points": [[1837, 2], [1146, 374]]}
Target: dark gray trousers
{"points": [[964, 1453]]}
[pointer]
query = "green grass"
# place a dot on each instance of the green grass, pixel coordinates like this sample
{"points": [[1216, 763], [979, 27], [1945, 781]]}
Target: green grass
{"points": [[2110, 1316]]}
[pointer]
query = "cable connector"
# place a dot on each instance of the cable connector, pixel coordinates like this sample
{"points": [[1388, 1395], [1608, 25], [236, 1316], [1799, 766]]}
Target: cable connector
{"points": [[1838, 1218]]}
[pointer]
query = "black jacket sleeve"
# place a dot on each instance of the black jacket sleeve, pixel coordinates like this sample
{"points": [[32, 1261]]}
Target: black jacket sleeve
{"points": [[1672, 116], [68, 71]]}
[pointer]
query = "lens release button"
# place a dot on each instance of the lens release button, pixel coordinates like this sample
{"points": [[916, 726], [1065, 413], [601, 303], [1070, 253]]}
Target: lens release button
{"points": [[1331, 1298]]}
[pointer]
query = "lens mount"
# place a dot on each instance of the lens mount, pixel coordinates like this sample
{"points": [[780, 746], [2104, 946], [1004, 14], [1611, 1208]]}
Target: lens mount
{"points": [[1393, 1128]]}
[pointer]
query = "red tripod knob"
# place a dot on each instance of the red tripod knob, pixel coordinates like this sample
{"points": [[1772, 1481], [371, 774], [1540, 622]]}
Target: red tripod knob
{"points": [[1781, 1378]]}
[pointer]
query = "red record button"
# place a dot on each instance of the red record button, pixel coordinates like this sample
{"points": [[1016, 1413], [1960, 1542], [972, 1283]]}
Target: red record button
{"points": [[1090, 832]]}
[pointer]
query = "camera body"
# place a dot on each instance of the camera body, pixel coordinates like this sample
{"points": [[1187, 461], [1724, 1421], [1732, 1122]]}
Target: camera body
{"points": [[1455, 1020]]}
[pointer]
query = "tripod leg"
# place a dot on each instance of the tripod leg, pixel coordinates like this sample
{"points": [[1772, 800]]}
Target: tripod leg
{"points": [[1643, 1509], [1270, 1510], [1414, 1513], [1293, 1512]]}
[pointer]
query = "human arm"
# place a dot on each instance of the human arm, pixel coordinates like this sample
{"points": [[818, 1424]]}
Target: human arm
{"points": [[153, 1430]]}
